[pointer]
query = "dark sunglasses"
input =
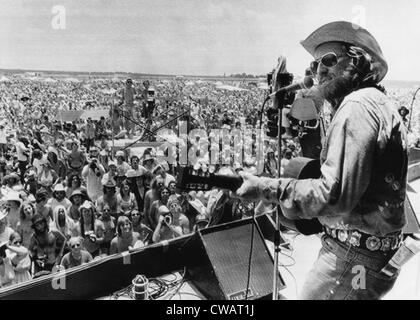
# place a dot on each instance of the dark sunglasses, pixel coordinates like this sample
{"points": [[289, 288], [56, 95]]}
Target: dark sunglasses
{"points": [[135, 214], [328, 60], [17, 242], [76, 245]]}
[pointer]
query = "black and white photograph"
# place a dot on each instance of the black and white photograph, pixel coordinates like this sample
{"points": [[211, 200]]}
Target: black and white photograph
{"points": [[220, 150]]}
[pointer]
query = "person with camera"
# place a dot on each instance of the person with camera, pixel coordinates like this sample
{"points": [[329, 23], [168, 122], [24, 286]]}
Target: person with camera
{"points": [[165, 228], [358, 202], [126, 238], [93, 173], [91, 229]]}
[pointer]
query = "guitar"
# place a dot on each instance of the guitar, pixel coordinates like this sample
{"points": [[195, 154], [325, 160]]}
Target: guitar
{"points": [[297, 168], [199, 180]]}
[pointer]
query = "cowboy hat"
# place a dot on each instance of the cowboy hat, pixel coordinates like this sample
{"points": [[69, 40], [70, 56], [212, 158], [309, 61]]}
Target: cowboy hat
{"points": [[59, 187], [13, 196], [77, 192], [350, 33]]}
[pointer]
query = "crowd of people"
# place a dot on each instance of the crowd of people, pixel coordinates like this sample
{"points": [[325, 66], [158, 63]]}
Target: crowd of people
{"points": [[68, 197]]}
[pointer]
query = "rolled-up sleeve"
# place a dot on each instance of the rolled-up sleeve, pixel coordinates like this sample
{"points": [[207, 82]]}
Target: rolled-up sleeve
{"points": [[345, 173]]}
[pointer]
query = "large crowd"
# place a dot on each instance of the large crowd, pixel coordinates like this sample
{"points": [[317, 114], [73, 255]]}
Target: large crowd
{"points": [[68, 197]]}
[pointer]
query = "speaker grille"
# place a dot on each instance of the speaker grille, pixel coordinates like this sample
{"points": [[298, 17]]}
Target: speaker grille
{"points": [[229, 250]]}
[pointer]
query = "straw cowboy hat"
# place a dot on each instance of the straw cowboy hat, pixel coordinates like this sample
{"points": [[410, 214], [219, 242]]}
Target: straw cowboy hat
{"points": [[350, 33]]}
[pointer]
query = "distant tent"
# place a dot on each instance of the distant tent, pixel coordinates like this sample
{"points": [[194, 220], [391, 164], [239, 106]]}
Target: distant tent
{"points": [[95, 114], [230, 88], [71, 80], [49, 80], [68, 115], [72, 115]]}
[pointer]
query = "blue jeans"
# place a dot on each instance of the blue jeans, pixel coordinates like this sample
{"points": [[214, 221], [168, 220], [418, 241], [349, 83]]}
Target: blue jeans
{"points": [[342, 272]]}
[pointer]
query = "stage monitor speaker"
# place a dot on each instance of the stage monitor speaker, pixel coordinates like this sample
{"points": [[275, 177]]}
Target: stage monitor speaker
{"points": [[220, 260], [412, 225]]}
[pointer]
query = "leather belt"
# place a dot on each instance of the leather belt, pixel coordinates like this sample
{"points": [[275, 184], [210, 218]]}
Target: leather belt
{"points": [[366, 241]]}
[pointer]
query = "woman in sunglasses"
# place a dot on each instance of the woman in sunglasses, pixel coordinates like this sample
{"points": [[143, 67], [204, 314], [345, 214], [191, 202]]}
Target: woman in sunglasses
{"points": [[77, 256], [19, 256]]}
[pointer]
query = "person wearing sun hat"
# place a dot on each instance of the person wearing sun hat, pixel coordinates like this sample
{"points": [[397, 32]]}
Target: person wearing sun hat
{"points": [[358, 202], [14, 201], [5, 230]]}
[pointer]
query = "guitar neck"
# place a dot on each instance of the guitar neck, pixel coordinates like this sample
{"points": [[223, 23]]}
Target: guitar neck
{"points": [[203, 182]]}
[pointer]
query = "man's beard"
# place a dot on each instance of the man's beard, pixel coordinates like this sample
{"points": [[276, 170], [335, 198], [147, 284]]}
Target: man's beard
{"points": [[335, 90]]}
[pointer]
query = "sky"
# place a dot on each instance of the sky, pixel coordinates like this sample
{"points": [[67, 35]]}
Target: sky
{"points": [[194, 37]]}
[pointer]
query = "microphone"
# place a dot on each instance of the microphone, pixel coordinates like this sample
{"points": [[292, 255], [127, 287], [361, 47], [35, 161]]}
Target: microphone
{"points": [[306, 83]]}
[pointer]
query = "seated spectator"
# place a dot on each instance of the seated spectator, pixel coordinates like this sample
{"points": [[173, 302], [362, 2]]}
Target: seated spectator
{"points": [[179, 218], [59, 198], [77, 256], [63, 224], [121, 164], [47, 177], [41, 206], [126, 238], [165, 229], [149, 162], [14, 202], [24, 226], [159, 170], [144, 231], [120, 178], [56, 164], [93, 173], [46, 247], [31, 183], [109, 227], [19, 256], [109, 198], [76, 159], [154, 208], [5, 230], [126, 199], [91, 229], [111, 174], [74, 182], [77, 198]]}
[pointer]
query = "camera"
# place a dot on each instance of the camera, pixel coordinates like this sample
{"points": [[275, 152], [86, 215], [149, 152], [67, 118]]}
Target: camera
{"points": [[94, 167], [168, 219], [90, 235], [3, 251]]}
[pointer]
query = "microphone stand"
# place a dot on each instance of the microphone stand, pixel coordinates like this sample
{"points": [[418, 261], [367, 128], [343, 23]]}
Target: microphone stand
{"points": [[279, 104]]}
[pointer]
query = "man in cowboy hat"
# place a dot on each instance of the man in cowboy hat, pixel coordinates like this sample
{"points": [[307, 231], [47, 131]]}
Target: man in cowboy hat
{"points": [[358, 202]]}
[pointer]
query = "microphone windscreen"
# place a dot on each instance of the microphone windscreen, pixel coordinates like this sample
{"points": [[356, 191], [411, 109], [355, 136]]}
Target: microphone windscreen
{"points": [[308, 82]]}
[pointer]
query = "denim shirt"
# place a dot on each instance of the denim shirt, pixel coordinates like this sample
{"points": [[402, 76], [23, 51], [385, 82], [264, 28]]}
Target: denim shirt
{"points": [[364, 169]]}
